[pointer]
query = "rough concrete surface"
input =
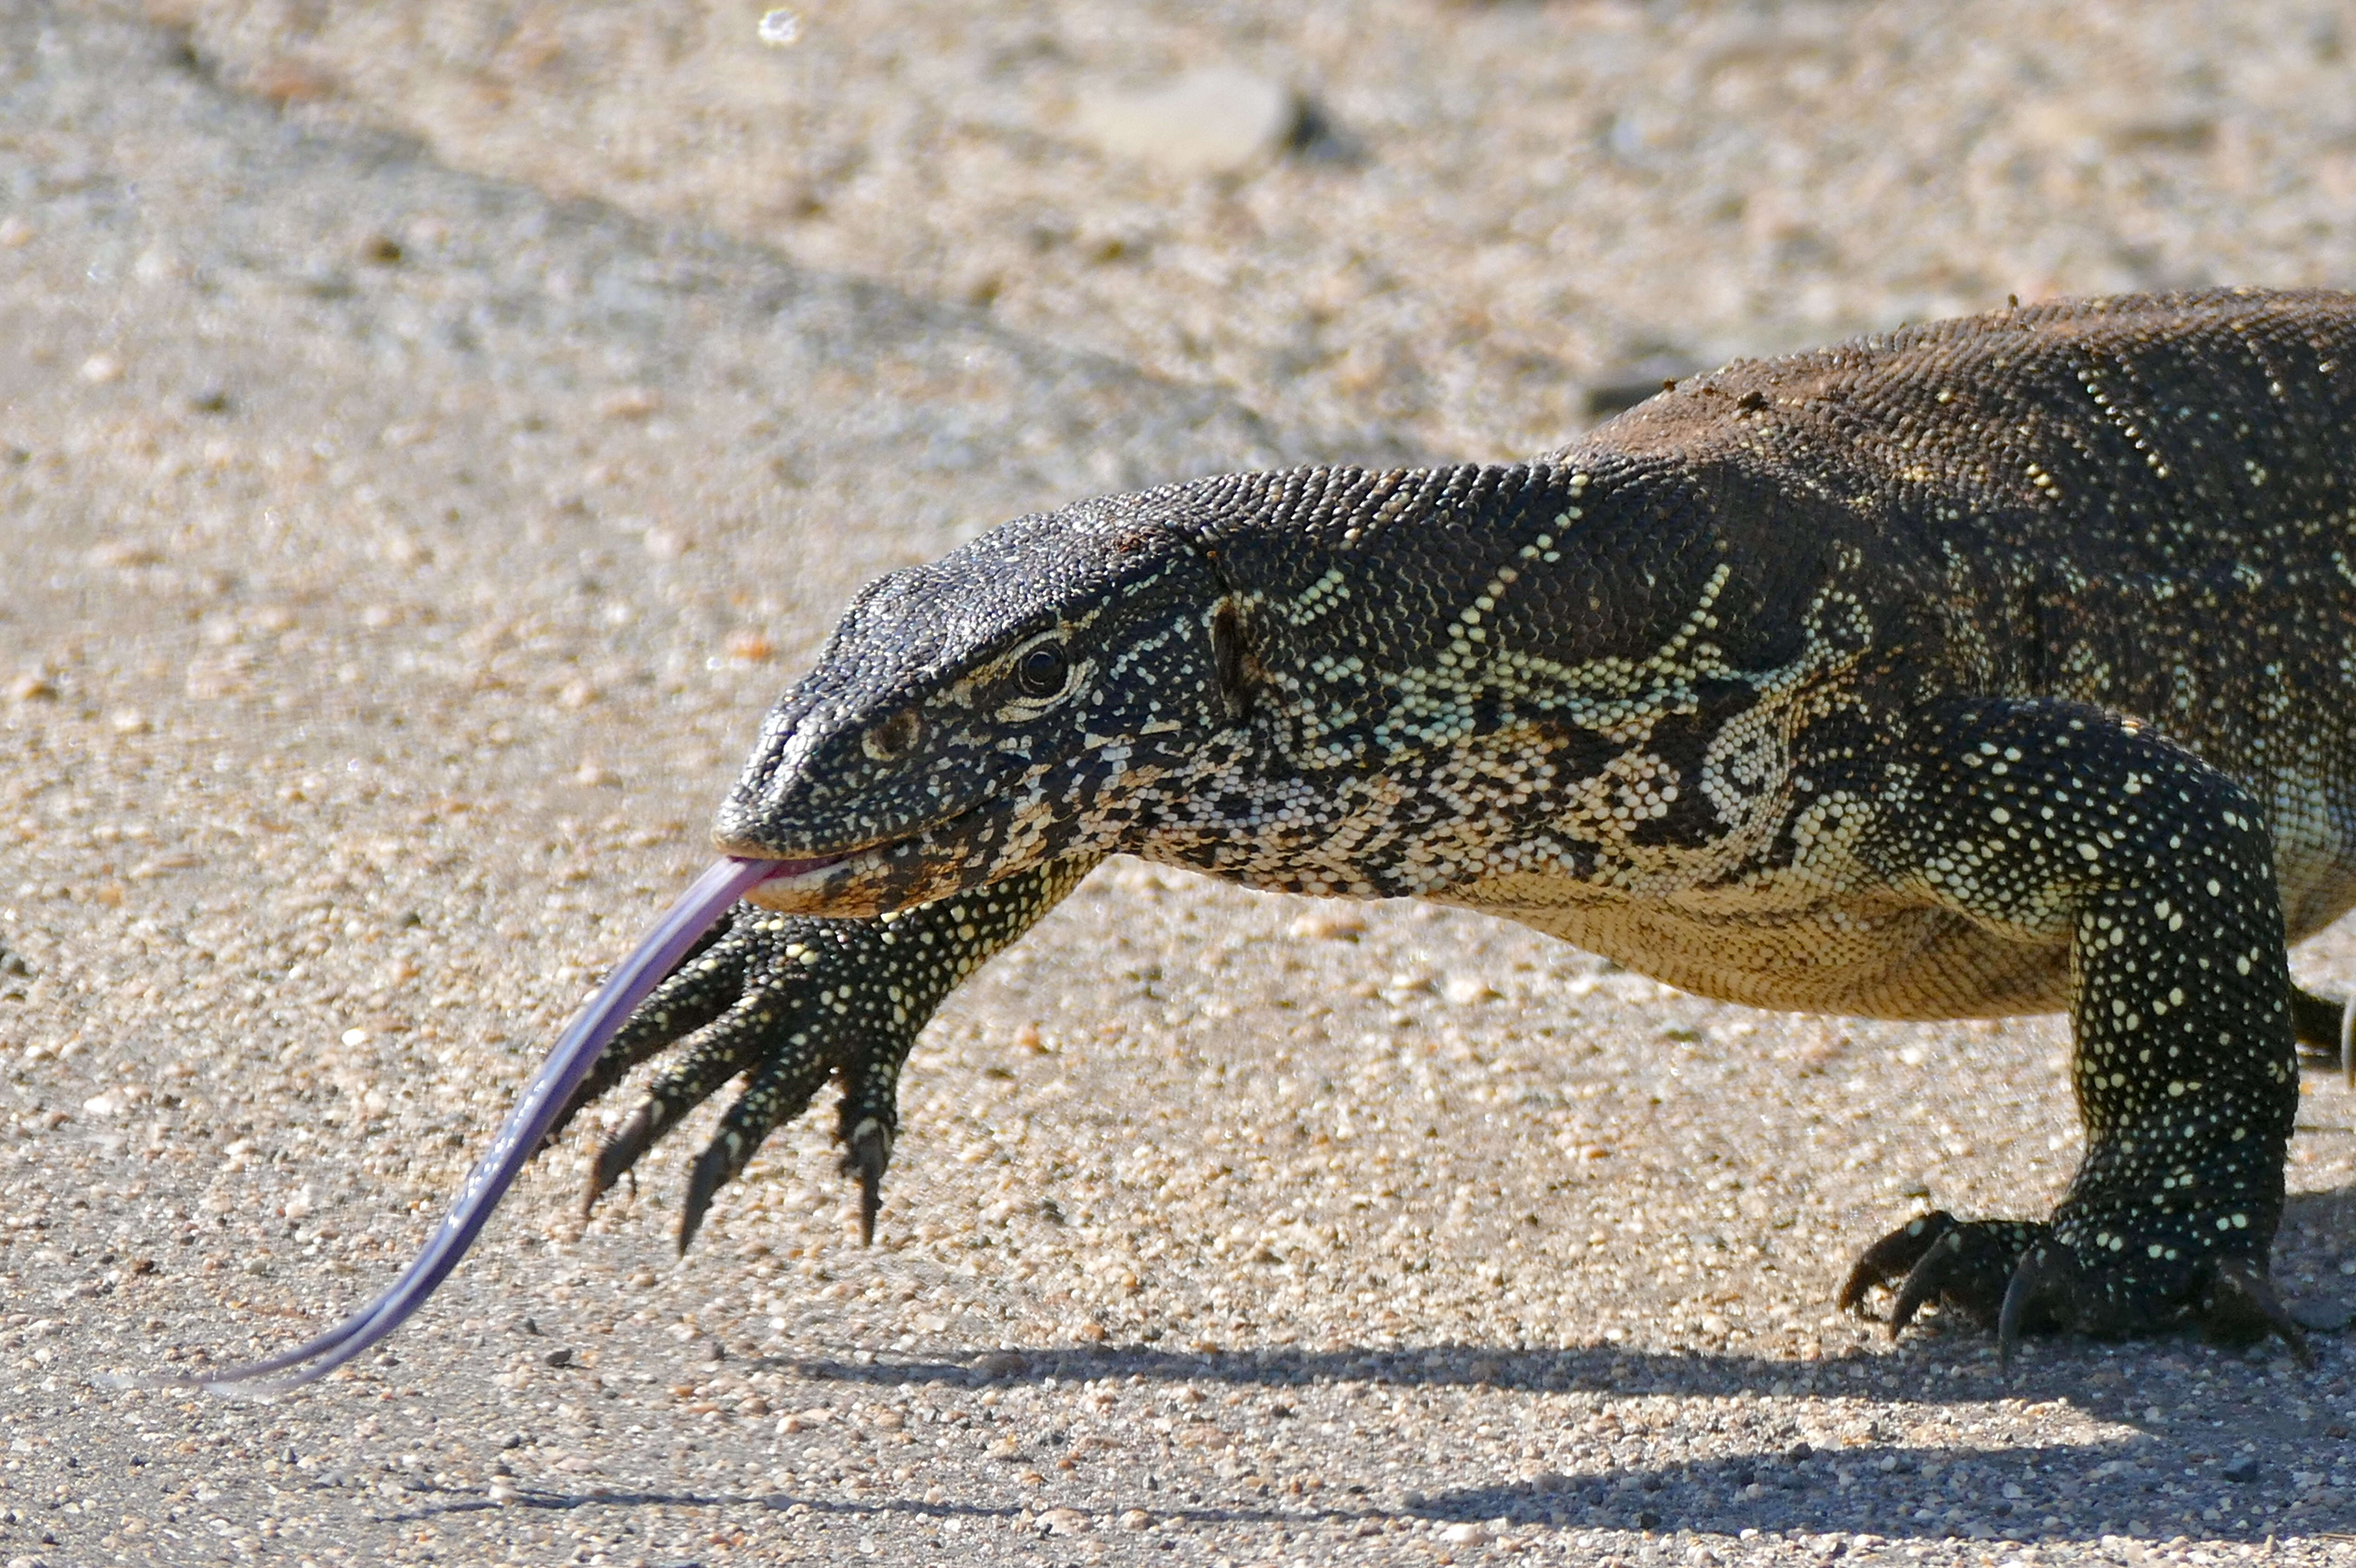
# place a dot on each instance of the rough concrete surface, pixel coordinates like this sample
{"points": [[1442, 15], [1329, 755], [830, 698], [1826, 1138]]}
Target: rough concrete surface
{"points": [[431, 434]]}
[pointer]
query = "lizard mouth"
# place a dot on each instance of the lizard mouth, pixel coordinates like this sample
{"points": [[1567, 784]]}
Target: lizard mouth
{"points": [[793, 870], [789, 882], [864, 880]]}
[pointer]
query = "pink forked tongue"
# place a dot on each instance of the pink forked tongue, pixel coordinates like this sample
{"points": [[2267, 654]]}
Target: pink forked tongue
{"points": [[712, 895]]}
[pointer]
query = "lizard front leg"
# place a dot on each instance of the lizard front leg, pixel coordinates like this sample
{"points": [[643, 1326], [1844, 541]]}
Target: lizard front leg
{"points": [[2049, 820], [792, 1000]]}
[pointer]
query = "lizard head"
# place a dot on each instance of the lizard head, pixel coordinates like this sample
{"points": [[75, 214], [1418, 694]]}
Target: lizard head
{"points": [[998, 707]]}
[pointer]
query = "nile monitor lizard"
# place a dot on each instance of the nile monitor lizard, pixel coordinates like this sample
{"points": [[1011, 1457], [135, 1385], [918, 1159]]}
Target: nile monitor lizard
{"points": [[1999, 666]]}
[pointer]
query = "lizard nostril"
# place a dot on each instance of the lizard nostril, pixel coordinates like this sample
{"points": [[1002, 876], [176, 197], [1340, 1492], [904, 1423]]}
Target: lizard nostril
{"points": [[895, 737]]}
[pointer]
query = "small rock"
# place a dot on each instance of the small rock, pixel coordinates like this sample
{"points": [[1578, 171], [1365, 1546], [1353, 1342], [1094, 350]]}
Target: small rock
{"points": [[630, 403], [99, 369], [1136, 1519], [747, 644], [999, 1363], [1065, 1521], [1341, 923], [1464, 990], [560, 1357], [1211, 122], [32, 689], [1465, 1535], [2242, 1470]]}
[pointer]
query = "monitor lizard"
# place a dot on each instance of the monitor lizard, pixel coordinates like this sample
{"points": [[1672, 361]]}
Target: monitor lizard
{"points": [[1997, 665]]}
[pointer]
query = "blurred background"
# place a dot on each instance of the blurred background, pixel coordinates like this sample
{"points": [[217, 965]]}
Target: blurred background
{"points": [[1472, 225]]}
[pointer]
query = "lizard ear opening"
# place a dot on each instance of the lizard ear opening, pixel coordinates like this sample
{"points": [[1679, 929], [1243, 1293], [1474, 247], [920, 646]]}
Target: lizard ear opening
{"points": [[1232, 662]]}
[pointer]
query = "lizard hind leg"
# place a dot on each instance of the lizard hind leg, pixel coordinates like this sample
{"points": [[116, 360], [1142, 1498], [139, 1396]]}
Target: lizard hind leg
{"points": [[2322, 1024]]}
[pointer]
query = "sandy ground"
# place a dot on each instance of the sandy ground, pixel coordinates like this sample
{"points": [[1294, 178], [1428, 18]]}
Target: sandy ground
{"points": [[428, 437]]}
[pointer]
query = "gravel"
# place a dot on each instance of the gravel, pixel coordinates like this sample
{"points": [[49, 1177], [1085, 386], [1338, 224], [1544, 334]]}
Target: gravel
{"points": [[429, 436]]}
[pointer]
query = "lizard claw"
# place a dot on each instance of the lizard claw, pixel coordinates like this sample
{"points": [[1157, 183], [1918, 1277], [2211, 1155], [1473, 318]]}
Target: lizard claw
{"points": [[2241, 1307], [1925, 1282], [2046, 1284], [618, 1154], [870, 1152], [713, 1169], [1894, 1258]]}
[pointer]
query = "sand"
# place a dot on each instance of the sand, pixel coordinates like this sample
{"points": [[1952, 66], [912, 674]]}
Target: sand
{"points": [[430, 435]]}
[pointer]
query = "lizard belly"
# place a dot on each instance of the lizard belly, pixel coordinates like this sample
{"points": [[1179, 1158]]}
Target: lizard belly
{"points": [[1868, 954], [2315, 855]]}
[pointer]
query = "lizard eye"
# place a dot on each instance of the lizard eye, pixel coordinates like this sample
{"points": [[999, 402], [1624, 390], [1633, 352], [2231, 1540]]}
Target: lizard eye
{"points": [[1043, 671]]}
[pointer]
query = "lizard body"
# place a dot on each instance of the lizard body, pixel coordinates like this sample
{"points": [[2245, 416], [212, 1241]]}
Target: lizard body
{"points": [[1997, 665]]}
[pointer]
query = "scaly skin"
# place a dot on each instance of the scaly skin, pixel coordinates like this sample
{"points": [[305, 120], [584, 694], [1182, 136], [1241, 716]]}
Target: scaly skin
{"points": [[2000, 665]]}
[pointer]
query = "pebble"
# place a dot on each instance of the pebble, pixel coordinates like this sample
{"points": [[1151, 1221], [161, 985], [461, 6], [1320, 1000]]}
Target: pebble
{"points": [[1214, 120]]}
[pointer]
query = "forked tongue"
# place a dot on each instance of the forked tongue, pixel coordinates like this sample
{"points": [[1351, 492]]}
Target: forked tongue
{"points": [[714, 894]]}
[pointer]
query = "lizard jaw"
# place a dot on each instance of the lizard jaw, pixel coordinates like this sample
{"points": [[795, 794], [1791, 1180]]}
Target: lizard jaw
{"points": [[872, 878], [798, 886]]}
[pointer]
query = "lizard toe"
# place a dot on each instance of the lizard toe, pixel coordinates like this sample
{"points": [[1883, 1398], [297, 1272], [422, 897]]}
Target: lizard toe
{"points": [[1891, 1259], [2241, 1307], [2041, 1295], [1958, 1266], [781, 1090], [868, 1151]]}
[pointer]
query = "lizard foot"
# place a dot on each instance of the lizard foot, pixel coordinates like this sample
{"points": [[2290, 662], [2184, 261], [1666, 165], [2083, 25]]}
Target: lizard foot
{"points": [[1937, 1258], [749, 1005], [2020, 1276], [784, 1003]]}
